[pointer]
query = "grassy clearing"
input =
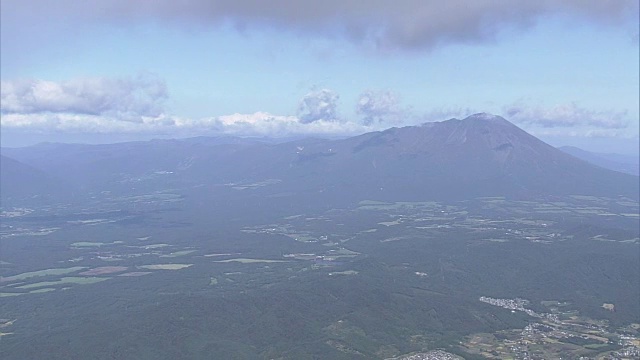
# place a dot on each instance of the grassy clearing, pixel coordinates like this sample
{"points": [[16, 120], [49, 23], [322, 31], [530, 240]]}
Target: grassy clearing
{"points": [[43, 290], [104, 270], [346, 272], [250, 261], [165, 266], [4, 294], [390, 223], [65, 280], [154, 246], [46, 272], [585, 197], [135, 273], [178, 253], [630, 215], [87, 244], [301, 237], [343, 251]]}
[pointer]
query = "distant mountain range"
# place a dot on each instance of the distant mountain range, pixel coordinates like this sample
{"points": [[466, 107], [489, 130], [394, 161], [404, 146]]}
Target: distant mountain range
{"points": [[617, 162], [482, 155]]}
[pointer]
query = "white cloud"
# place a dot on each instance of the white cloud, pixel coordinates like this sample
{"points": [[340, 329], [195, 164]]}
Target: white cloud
{"points": [[445, 113], [319, 105], [381, 107], [259, 123], [566, 115], [85, 123], [273, 125], [127, 99]]}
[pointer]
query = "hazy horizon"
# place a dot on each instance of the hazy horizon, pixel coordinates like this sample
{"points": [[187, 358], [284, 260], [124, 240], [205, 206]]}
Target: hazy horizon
{"points": [[597, 146], [78, 71]]}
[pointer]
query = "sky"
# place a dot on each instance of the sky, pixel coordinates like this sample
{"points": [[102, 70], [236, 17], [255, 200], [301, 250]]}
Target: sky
{"points": [[95, 71]]}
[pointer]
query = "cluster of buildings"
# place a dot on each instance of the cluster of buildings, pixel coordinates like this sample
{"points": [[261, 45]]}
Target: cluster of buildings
{"points": [[431, 355]]}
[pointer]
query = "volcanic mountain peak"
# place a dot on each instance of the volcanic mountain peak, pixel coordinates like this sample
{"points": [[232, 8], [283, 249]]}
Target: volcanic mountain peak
{"points": [[486, 117], [485, 122], [484, 131], [482, 117], [476, 133]]}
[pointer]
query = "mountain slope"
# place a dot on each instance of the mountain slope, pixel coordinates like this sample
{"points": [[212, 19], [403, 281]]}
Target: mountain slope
{"points": [[19, 181]]}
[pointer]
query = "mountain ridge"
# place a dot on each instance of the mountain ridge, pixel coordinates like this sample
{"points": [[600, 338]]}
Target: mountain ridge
{"points": [[622, 163], [481, 155]]}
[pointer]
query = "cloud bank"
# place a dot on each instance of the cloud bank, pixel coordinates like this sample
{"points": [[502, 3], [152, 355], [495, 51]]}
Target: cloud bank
{"points": [[256, 124], [126, 98], [384, 25], [135, 105]]}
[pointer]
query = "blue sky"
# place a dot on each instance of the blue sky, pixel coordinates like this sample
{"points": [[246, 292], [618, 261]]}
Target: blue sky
{"points": [[101, 71]]}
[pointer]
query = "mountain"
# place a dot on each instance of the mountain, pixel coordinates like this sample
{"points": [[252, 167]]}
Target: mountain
{"points": [[623, 163], [482, 155], [20, 181]]}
